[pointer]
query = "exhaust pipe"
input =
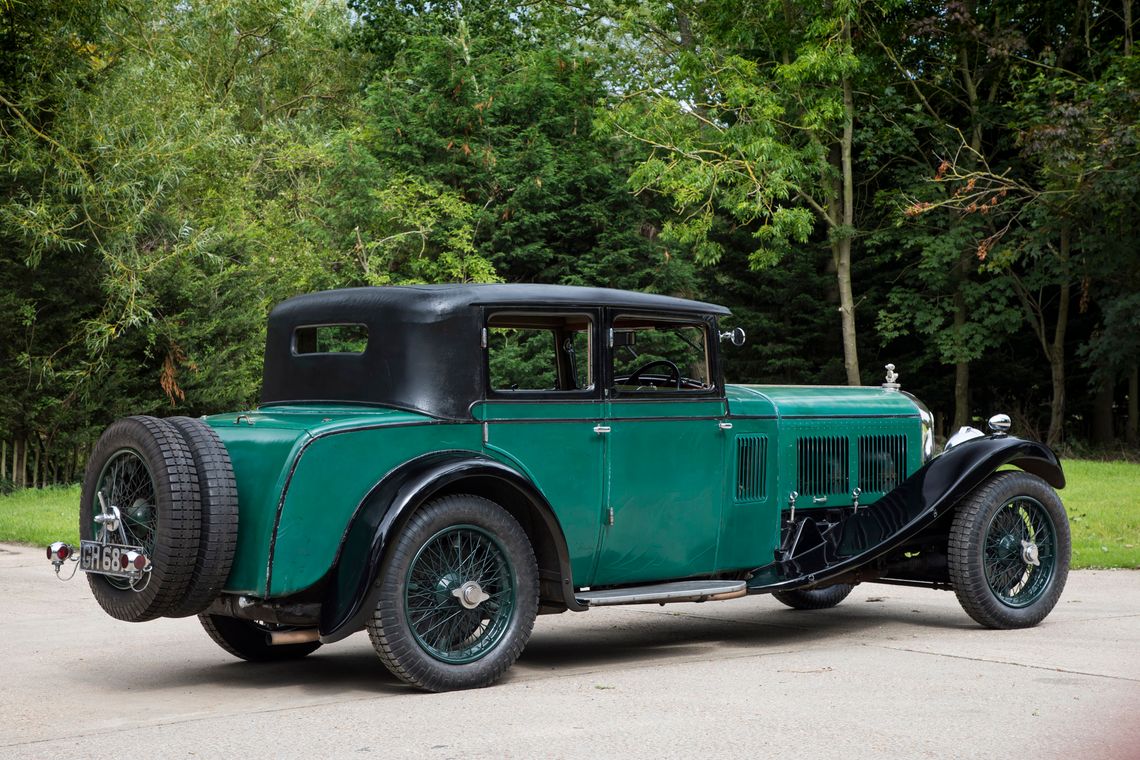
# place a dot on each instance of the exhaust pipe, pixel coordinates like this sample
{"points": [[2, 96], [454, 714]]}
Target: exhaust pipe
{"points": [[282, 638]]}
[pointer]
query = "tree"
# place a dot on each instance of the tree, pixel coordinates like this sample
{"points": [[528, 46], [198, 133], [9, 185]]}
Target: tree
{"points": [[1073, 163], [496, 103], [752, 116]]}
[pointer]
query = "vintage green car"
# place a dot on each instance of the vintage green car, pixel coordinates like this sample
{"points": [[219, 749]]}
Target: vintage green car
{"points": [[440, 464]]}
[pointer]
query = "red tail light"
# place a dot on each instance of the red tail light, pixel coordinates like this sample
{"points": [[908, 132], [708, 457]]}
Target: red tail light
{"points": [[59, 551]]}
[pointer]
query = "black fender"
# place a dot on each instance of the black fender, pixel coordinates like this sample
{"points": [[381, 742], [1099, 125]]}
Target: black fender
{"points": [[812, 556], [351, 594]]}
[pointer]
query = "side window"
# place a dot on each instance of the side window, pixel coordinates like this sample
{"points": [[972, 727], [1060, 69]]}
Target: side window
{"points": [[330, 339], [539, 353], [660, 356]]}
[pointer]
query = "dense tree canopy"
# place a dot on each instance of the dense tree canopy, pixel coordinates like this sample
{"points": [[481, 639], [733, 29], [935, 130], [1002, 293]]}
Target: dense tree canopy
{"points": [[948, 185]]}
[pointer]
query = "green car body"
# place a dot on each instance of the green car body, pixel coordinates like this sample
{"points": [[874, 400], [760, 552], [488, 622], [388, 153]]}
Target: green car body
{"points": [[440, 464], [679, 511]]}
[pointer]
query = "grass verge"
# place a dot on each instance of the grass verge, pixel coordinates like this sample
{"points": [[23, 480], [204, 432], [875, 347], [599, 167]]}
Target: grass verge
{"points": [[40, 516], [1103, 502], [1102, 498]]}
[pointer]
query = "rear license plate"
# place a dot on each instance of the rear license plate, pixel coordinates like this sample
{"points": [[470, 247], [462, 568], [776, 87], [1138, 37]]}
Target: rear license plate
{"points": [[106, 559]]}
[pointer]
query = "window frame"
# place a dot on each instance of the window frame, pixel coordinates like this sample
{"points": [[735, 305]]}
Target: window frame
{"points": [[705, 323], [294, 339], [594, 392]]}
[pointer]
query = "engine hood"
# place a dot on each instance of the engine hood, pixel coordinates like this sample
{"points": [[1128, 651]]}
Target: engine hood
{"points": [[789, 402]]}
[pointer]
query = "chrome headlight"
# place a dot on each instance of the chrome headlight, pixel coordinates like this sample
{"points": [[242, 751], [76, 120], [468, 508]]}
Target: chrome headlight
{"points": [[964, 434], [927, 418]]}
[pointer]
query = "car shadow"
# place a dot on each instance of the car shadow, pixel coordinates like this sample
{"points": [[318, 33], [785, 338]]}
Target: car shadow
{"points": [[570, 644], [689, 633]]}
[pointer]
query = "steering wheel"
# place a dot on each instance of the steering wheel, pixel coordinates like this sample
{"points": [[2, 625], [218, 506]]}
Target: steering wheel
{"points": [[674, 371]]}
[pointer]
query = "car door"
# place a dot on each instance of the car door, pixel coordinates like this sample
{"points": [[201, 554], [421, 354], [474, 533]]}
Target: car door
{"points": [[543, 404], [664, 450]]}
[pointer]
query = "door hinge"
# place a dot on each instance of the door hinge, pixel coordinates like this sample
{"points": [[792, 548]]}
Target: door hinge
{"points": [[610, 516], [483, 338]]}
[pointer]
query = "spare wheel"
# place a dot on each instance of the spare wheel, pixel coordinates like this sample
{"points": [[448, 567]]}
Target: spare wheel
{"points": [[144, 472], [218, 539]]}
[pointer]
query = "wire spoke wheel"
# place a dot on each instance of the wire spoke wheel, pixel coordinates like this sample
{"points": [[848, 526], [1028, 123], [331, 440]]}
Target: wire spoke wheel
{"points": [[141, 489], [1020, 552], [127, 488], [460, 594], [457, 595], [1008, 551]]}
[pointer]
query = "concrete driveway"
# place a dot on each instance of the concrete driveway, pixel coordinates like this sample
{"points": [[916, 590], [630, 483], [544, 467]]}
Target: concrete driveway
{"points": [[890, 673]]}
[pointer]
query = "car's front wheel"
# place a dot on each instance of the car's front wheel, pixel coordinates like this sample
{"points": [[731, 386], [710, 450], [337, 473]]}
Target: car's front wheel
{"points": [[458, 595], [1009, 551]]}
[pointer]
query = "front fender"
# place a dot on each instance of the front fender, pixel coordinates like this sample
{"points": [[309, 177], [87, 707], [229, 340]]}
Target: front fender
{"points": [[816, 556], [352, 593]]}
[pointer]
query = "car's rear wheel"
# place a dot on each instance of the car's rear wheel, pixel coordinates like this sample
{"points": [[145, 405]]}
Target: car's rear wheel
{"points": [[816, 598], [1009, 551], [249, 639], [458, 595], [141, 489], [218, 539]]}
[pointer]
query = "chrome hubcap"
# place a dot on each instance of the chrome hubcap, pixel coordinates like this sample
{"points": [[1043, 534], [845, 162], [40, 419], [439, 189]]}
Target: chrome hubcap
{"points": [[111, 517], [1029, 553], [470, 595]]}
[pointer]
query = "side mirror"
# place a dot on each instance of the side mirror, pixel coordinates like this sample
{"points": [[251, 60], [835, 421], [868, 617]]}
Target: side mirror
{"points": [[734, 336], [621, 338]]}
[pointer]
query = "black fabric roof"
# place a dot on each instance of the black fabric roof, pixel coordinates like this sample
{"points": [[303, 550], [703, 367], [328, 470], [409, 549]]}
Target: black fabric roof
{"points": [[423, 347]]}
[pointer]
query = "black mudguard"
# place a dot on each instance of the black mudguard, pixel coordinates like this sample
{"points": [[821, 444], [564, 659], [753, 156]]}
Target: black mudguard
{"points": [[812, 556], [351, 595]]}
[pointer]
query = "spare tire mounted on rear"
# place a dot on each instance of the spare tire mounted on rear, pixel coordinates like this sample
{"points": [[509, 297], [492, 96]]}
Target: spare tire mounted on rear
{"points": [[148, 474]]}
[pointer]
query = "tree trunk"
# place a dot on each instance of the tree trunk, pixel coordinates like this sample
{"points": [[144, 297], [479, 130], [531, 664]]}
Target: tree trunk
{"points": [[1127, 28], [3, 460], [961, 367], [842, 246], [961, 394], [1102, 432], [35, 464], [1133, 406], [1057, 349]]}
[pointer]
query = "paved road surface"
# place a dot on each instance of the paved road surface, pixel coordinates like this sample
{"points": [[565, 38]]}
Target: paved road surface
{"points": [[891, 673]]}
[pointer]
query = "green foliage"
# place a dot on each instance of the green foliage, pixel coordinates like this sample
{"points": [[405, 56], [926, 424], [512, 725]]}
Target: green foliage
{"points": [[169, 171], [498, 105]]}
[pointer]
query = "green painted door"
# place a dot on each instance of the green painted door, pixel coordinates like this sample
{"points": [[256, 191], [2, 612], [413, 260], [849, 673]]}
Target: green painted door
{"points": [[664, 450], [555, 445], [665, 485]]}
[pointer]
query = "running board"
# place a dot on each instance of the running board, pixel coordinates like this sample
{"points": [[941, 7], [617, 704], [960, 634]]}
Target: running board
{"points": [[662, 593]]}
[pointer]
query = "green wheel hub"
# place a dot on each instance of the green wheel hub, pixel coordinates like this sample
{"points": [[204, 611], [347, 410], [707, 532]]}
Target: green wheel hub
{"points": [[1020, 554], [460, 594]]}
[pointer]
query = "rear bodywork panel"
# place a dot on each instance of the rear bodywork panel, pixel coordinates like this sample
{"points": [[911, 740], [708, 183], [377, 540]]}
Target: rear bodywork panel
{"points": [[301, 473]]}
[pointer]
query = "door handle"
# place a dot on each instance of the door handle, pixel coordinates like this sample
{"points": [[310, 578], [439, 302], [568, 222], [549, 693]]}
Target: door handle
{"points": [[601, 429], [725, 425]]}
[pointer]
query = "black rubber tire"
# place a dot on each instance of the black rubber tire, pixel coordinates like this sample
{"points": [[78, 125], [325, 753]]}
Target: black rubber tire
{"points": [[218, 540], [967, 540], [816, 598], [389, 628], [246, 639], [177, 515]]}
